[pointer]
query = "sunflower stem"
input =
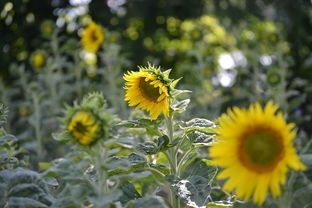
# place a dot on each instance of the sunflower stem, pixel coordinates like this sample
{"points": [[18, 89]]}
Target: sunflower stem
{"points": [[102, 185], [172, 157], [37, 114]]}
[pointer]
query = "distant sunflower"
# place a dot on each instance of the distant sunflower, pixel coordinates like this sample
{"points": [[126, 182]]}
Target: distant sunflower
{"points": [[92, 37], [145, 90], [38, 59], [254, 146], [84, 127]]}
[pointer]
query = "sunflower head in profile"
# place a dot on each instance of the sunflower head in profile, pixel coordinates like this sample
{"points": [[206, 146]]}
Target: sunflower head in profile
{"points": [[87, 122], [254, 146], [92, 37], [149, 89], [84, 127]]}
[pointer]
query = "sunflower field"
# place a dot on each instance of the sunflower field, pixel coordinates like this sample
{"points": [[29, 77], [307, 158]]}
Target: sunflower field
{"points": [[155, 104]]}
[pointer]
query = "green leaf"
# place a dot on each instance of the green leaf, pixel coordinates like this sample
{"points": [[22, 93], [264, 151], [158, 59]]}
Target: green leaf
{"points": [[175, 93], [162, 168], [62, 136], [106, 199], [195, 184], [151, 126], [200, 139], [23, 202], [162, 143], [128, 193], [199, 124], [190, 158], [219, 205], [142, 123], [175, 82], [147, 148], [147, 202], [45, 165], [180, 106], [194, 191], [117, 165]]}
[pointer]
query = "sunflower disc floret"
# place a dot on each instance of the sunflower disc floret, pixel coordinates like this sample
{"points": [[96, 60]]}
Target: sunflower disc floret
{"points": [[148, 89], [254, 146]]}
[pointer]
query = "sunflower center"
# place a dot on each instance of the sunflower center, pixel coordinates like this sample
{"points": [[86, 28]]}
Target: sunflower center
{"points": [[148, 90], [79, 127], [260, 151], [94, 36]]}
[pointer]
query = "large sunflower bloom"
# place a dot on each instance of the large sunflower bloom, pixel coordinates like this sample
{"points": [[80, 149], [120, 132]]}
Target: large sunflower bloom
{"points": [[92, 37], [254, 146], [84, 127], [144, 90]]}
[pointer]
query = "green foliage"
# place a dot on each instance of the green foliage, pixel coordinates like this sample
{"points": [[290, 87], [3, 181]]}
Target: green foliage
{"points": [[23, 188], [243, 51]]}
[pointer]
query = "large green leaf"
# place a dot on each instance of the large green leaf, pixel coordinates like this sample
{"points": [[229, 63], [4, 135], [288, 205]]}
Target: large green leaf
{"points": [[195, 184], [23, 188]]}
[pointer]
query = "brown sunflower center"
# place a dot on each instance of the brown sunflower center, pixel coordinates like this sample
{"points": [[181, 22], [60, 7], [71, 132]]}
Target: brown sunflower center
{"points": [[260, 150], [94, 36], [81, 128], [148, 90]]}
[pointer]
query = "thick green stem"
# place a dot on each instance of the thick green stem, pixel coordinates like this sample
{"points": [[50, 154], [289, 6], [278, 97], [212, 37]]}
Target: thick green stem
{"points": [[172, 157], [102, 177], [182, 161]]}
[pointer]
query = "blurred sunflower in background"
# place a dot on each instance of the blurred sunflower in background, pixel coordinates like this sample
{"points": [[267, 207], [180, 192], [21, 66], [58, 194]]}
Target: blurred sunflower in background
{"points": [[92, 37], [254, 146], [38, 59], [87, 122], [148, 89], [47, 28], [84, 127]]}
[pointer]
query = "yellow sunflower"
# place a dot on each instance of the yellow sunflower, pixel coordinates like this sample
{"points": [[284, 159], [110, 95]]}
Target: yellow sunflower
{"points": [[254, 146], [144, 90], [84, 127], [92, 37], [38, 59]]}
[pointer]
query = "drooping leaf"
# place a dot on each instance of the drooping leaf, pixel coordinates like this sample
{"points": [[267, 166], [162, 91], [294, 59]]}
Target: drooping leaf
{"points": [[147, 148], [180, 106], [199, 124], [200, 139], [128, 193]]}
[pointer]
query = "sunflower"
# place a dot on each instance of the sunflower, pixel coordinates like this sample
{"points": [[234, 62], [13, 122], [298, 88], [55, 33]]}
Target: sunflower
{"points": [[38, 59], [145, 90], [92, 37], [254, 146], [84, 127]]}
